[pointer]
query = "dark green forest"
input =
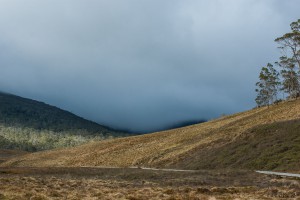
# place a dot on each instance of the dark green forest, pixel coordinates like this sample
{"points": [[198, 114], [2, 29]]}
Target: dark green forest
{"points": [[31, 125]]}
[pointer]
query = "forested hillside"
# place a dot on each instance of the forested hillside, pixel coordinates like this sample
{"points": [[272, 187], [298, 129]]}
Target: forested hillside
{"points": [[31, 125]]}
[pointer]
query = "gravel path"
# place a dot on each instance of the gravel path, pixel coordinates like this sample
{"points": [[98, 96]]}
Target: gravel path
{"points": [[279, 173]]}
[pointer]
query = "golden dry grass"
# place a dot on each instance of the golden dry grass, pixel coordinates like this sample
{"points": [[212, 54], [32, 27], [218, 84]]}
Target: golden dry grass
{"points": [[162, 149], [6, 154], [58, 188], [46, 184]]}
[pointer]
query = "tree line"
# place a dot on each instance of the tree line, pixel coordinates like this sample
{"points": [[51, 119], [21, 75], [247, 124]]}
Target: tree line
{"points": [[29, 139], [284, 75]]}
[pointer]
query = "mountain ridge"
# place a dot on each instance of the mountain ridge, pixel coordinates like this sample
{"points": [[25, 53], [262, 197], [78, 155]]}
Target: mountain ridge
{"points": [[6, 97], [32, 125]]}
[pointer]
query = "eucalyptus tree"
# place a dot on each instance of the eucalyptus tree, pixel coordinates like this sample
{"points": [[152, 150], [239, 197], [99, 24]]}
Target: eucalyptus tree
{"points": [[267, 86], [290, 61], [290, 76]]}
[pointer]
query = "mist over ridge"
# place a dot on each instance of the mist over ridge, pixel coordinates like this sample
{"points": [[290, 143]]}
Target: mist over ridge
{"points": [[140, 66]]}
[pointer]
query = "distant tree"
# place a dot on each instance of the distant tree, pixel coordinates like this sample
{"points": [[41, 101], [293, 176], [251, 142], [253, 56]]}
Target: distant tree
{"points": [[290, 61], [267, 86], [290, 76]]}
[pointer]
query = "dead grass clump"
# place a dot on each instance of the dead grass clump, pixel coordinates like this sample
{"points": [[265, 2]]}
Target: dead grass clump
{"points": [[132, 197], [286, 183], [218, 190], [38, 197], [283, 193], [2, 196], [169, 191], [203, 190], [54, 193]]}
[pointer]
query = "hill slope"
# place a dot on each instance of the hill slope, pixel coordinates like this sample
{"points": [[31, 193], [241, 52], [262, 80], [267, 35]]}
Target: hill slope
{"points": [[31, 125], [245, 140], [7, 154]]}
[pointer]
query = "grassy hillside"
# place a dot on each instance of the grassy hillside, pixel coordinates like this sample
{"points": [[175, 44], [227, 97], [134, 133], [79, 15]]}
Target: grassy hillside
{"points": [[274, 146], [7, 154], [262, 138], [31, 125]]}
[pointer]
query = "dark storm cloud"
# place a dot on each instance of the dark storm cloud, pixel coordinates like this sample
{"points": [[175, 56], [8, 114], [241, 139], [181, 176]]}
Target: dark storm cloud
{"points": [[140, 65]]}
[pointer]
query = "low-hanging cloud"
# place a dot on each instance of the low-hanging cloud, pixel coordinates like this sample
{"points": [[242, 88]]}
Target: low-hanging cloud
{"points": [[140, 65]]}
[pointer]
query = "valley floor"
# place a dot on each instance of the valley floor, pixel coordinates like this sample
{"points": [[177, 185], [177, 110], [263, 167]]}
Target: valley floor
{"points": [[135, 184]]}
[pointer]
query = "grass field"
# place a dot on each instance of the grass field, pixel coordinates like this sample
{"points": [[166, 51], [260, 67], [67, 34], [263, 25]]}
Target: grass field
{"points": [[139, 184]]}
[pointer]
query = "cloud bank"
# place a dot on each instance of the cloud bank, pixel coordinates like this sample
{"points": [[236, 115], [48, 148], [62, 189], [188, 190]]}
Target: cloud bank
{"points": [[140, 65]]}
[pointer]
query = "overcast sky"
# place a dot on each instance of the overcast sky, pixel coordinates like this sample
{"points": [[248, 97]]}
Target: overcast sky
{"points": [[140, 64]]}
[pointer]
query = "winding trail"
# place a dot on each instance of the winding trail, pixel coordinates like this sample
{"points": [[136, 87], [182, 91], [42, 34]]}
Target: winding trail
{"points": [[184, 170], [279, 173], [144, 168], [169, 170]]}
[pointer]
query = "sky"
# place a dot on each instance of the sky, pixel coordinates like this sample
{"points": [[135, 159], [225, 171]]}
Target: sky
{"points": [[140, 65]]}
